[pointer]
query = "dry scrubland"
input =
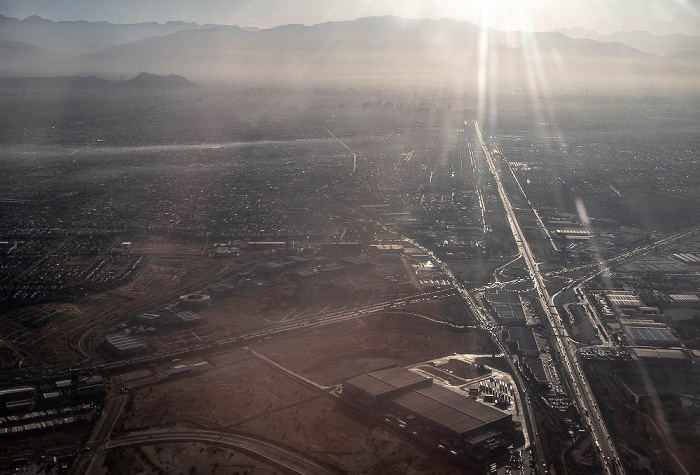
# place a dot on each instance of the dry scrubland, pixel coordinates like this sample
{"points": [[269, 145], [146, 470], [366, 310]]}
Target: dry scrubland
{"points": [[55, 339], [241, 393], [183, 458], [327, 355]]}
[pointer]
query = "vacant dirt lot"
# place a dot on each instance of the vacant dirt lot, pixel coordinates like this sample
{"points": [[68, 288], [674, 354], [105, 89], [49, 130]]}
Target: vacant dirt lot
{"points": [[183, 458], [165, 277], [244, 394], [332, 353]]}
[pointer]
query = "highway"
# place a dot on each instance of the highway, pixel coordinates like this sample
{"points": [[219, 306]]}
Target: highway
{"points": [[102, 430], [278, 456], [487, 324], [568, 361]]}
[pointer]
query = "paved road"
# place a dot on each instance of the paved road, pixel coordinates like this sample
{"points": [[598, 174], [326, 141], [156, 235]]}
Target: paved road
{"points": [[327, 319], [488, 325], [568, 361], [280, 457], [101, 432]]}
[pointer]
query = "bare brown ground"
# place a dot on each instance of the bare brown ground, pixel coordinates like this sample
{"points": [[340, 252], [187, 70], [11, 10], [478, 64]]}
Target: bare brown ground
{"points": [[183, 458], [164, 277], [246, 395], [645, 428], [282, 301], [449, 309], [332, 353]]}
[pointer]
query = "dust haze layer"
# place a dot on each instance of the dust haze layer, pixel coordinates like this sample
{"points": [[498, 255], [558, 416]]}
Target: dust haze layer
{"points": [[375, 51]]}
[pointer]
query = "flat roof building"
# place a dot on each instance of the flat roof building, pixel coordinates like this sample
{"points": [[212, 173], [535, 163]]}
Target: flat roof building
{"points": [[508, 308], [454, 413], [535, 369], [685, 300], [434, 413], [523, 339], [623, 299], [19, 392], [385, 384], [645, 333], [659, 354], [187, 317], [121, 344]]}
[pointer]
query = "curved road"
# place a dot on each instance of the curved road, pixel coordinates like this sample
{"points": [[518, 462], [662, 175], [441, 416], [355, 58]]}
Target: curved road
{"points": [[275, 455]]}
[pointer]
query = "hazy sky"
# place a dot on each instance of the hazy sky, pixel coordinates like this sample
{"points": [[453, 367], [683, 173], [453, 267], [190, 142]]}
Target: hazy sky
{"points": [[604, 16]]}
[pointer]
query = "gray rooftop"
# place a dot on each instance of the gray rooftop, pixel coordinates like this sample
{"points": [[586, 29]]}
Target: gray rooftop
{"points": [[386, 380], [662, 335], [524, 336], [122, 341], [451, 410]]}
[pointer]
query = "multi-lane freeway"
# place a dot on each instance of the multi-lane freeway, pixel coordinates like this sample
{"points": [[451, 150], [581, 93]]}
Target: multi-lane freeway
{"points": [[568, 360], [487, 324]]}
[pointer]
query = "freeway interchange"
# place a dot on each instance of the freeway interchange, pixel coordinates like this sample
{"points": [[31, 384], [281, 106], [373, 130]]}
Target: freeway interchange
{"points": [[566, 352], [568, 361]]}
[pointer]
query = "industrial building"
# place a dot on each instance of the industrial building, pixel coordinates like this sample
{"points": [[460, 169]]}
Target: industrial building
{"points": [[534, 369], [688, 258], [13, 399], [147, 319], [383, 385], [185, 318], [507, 308], [649, 333], [225, 249], [122, 345], [436, 414], [168, 320], [623, 300], [455, 414], [387, 252], [659, 355], [349, 265], [387, 248], [685, 300], [521, 340]]}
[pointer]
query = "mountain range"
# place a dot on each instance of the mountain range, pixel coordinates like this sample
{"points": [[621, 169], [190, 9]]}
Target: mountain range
{"points": [[376, 51], [83, 83], [663, 45]]}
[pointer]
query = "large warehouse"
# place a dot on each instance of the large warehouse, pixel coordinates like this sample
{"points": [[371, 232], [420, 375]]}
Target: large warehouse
{"points": [[437, 413], [455, 413], [648, 333], [522, 340], [508, 308], [383, 385], [122, 345]]}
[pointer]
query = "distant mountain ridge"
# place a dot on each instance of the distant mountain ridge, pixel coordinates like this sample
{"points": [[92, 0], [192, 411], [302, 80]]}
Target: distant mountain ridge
{"points": [[155, 80], [662, 45], [142, 81], [387, 51], [72, 38]]}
